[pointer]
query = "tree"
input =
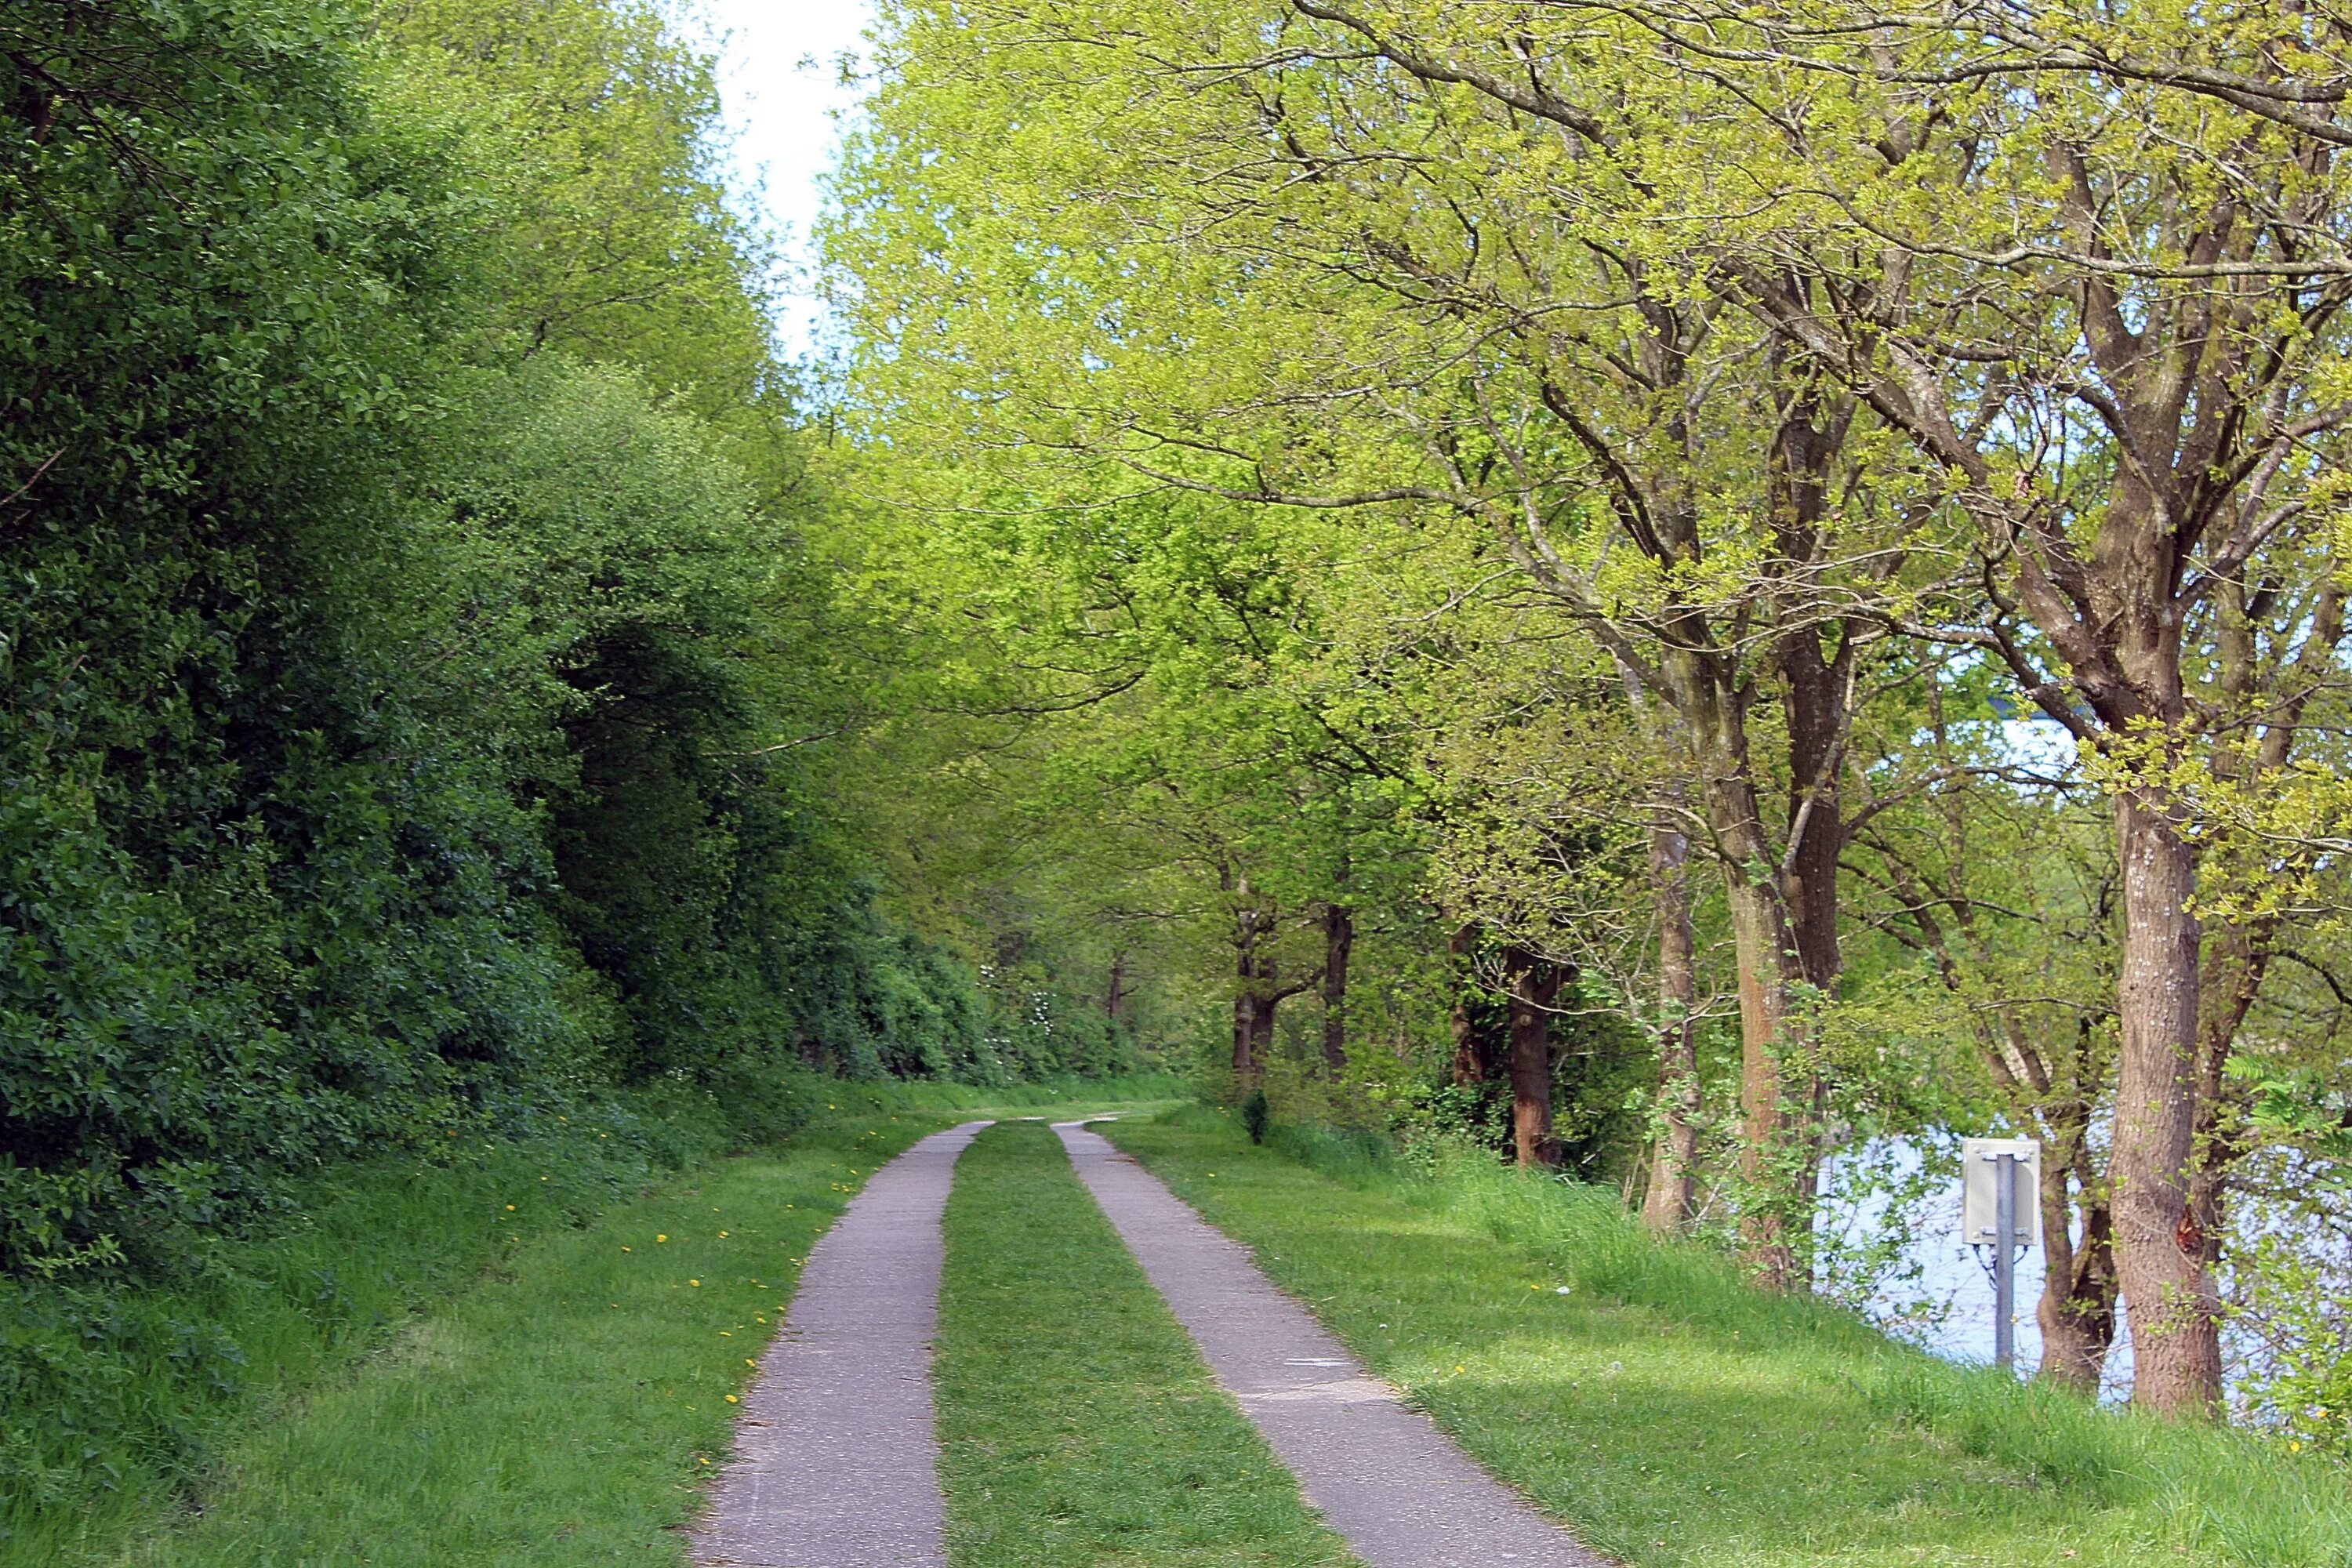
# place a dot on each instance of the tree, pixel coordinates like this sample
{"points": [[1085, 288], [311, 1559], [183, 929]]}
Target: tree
{"points": [[2119, 338], [1304, 215]]}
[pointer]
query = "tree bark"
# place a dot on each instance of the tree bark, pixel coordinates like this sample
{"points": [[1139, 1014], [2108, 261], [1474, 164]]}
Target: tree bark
{"points": [[2077, 1310], [1250, 927], [1534, 986], [1768, 1155], [2235, 961], [1776, 1085], [2159, 1253], [1338, 939], [1673, 1193], [1269, 996], [1245, 1063], [1474, 1057], [1115, 1000], [1810, 434]]}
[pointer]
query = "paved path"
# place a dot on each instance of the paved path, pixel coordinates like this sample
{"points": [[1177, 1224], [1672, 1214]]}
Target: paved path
{"points": [[836, 1461], [1384, 1476]]}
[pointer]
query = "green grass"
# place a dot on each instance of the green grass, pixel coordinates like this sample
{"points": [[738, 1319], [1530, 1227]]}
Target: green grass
{"points": [[119, 1393], [1671, 1415], [563, 1410], [1079, 1424], [358, 1371]]}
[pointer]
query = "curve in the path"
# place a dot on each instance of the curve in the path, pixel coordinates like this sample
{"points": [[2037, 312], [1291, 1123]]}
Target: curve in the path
{"points": [[1383, 1474], [836, 1457]]}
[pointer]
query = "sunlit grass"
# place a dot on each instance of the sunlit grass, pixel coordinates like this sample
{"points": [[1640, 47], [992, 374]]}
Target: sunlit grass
{"points": [[565, 1410], [1672, 1414], [424, 1375], [1079, 1425]]}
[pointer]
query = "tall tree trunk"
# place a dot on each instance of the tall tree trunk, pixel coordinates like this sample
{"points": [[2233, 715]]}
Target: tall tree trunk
{"points": [[1770, 1156], [1250, 927], [2235, 961], [2159, 1254], [1816, 694], [1673, 1194], [1473, 1057], [1245, 1064], [1114, 998], [1534, 986], [1338, 938], [1777, 1085], [1814, 687], [2077, 1310], [1269, 995]]}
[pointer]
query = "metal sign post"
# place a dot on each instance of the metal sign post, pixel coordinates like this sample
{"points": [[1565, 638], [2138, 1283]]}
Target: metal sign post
{"points": [[2004, 1261], [2000, 1209]]}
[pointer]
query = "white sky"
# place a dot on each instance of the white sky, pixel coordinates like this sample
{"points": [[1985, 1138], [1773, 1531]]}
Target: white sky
{"points": [[780, 83]]}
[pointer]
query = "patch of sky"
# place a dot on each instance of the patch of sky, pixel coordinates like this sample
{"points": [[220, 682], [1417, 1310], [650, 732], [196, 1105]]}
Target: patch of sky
{"points": [[790, 72]]}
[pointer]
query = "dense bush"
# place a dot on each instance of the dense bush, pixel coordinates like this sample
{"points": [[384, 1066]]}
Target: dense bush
{"points": [[406, 649], [407, 670]]}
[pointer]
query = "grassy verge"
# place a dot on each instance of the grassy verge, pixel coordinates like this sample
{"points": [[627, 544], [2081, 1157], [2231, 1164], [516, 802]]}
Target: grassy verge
{"points": [[1080, 1426], [1674, 1415], [121, 1404]]}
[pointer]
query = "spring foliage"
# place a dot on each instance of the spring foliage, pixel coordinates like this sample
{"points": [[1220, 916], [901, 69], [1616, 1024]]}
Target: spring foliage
{"points": [[412, 686]]}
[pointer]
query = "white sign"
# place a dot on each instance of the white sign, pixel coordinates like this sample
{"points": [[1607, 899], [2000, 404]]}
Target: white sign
{"points": [[1981, 1169]]}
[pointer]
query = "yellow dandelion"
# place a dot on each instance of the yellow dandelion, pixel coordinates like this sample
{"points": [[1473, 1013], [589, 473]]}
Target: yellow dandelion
{"points": [[628, 1249], [726, 1333], [1457, 1368], [722, 1235], [748, 1361], [689, 1407], [732, 1400], [696, 1282], [659, 1236], [510, 1208]]}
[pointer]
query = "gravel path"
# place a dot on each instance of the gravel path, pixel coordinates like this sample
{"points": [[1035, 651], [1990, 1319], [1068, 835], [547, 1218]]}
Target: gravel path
{"points": [[837, 1460], [1384, 1476]]}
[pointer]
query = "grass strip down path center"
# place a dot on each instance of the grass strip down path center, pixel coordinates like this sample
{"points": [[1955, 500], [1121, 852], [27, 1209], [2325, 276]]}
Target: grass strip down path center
{"points": [[1078, 1428]]}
